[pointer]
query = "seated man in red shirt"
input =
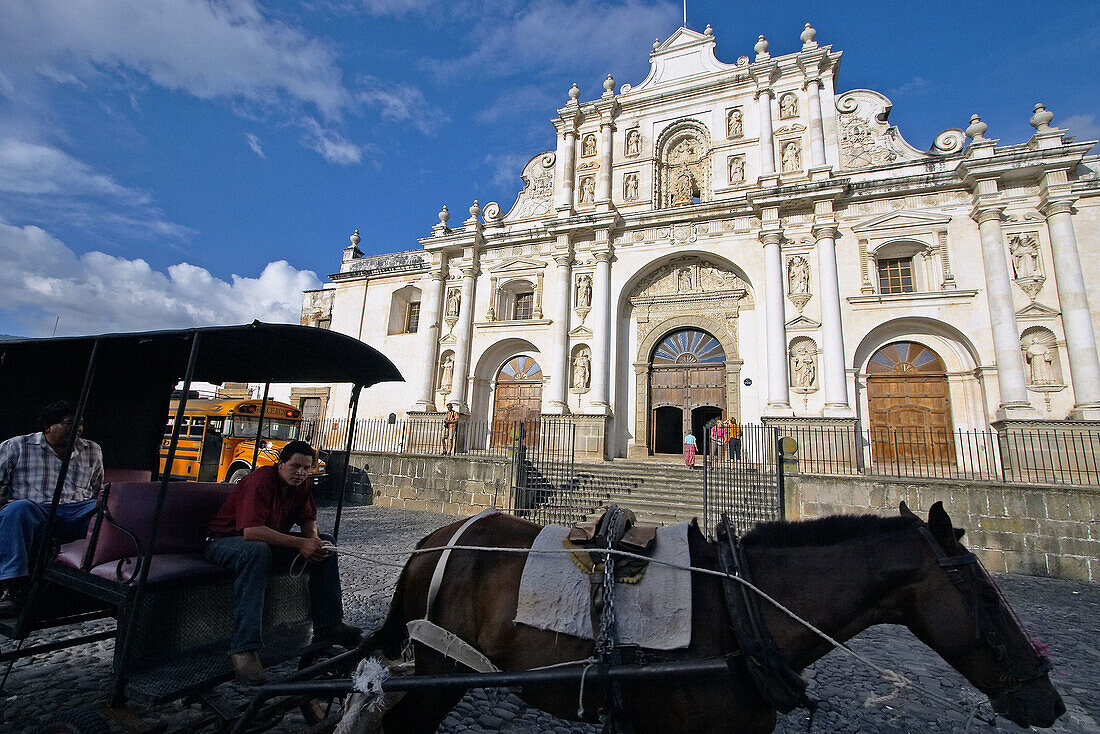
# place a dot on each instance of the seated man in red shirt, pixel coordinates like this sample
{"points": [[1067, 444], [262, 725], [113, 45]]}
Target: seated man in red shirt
{"points": [[250, 535]]}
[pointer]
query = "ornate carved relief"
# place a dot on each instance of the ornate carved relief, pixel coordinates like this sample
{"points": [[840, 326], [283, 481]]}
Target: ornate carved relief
{"points": [[684, 167], [588, 190], [735, 164], [588, 145], [803, 358], [735, 123], [792, 156], [867, 139], [798, 281], [537, 197], [633, 143], [581, 372], [788, 106], [630, 187], [1027, 268]]}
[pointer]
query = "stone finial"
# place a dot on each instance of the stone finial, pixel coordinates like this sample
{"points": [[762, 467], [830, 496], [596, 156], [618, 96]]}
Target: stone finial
{"points": [[809, 37], [609, 85], [1042, 117], [574, 92], [762, 47], [976, 130], [355, 239], [656, 43], [475, 209], [708, 31], [444, 215]]}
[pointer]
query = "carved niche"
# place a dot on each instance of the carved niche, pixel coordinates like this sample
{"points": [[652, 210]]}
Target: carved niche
{"points": [[690, 286], [684, 166]]}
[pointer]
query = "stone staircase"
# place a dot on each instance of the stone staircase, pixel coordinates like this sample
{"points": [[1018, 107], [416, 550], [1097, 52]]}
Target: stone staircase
{"points": [[658, 493]]}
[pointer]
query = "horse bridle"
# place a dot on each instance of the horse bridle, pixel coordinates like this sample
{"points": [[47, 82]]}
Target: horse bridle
{"points": [[961, 570]]}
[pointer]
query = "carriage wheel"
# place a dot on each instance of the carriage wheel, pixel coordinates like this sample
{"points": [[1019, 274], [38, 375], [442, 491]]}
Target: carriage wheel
{"points": [[74, 721], [318, 710]]}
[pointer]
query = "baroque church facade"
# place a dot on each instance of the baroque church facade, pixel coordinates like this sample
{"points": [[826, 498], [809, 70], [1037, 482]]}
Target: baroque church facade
{"points": [[741, 240]]}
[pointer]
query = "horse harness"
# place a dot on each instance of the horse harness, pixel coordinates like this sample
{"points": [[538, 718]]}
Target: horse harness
{"points": [[962, 569], [780, 685]]}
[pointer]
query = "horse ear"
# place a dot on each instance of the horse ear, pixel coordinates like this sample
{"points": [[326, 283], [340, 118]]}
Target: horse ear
{"points": [[940, 525], [959, 533], [905, 511]]}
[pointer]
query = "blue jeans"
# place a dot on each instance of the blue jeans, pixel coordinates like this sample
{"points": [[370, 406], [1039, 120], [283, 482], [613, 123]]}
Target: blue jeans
{"points": [[20, 523], [253, 561]]}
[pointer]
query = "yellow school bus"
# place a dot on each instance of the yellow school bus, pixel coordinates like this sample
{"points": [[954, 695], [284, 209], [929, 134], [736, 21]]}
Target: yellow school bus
{"points": [[218, 438]]}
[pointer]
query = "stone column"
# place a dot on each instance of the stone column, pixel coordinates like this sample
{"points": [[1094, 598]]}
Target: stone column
{"points": [[601, 334], [559, 351], [767, 144], [1002, 315], [836, 385], [603, 180], [429, 337], [567, 163], [463, 332], [817, 131], [778, 379], [1076, 317]]}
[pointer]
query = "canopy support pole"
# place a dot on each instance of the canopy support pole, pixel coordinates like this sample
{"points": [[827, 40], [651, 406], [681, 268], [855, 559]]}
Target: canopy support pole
{"points": [[353, 408], [260, 426]]}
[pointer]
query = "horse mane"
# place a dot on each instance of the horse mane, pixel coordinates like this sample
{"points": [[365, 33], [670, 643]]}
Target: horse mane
{"points": [[825, 531]]}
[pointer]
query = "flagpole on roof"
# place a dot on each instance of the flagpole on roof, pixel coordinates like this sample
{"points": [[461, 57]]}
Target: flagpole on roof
{"points": [[685, 13]]}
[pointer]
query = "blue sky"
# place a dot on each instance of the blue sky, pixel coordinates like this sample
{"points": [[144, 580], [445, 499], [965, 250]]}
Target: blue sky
{"points": [[168, 164]]}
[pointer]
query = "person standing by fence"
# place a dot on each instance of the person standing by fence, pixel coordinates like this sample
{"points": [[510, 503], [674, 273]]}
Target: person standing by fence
{"points": [[733, 429], [718, 438], [450, 426], [689, 450]]}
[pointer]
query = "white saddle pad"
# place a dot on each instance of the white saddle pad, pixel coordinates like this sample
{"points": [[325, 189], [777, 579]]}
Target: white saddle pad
{"points": [[654, 613]]}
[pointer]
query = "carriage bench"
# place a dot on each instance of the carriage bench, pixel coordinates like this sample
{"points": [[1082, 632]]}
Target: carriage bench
{"points": [[185, 612]]}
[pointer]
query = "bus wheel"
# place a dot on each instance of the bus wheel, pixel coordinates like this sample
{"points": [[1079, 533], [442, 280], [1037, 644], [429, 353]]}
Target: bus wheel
{"points": [[74, 721], [238, 474]]}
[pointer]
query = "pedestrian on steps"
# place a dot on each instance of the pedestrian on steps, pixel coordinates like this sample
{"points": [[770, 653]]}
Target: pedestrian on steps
{"points": [[689, 450]]}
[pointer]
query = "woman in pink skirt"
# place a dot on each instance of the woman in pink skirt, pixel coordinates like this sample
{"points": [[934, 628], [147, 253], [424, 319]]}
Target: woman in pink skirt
{"points": [[689, 451]]}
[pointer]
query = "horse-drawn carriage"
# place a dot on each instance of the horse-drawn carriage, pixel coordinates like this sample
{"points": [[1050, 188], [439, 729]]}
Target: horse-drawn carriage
{"points": [[141, 562], [762, 607]]}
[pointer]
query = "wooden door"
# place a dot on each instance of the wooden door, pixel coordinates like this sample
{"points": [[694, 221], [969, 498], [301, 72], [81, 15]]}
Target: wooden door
{"points": [[517, 399], [909, 406], [688, 372]]}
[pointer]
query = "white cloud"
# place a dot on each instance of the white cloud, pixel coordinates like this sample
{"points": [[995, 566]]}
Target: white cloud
{"points": [[506, 169], [603, 36], [95, 292], [40, 170], [1082, 127], [332, 146], [400, 103], [254, 144], [211, 49], [396, 7]]}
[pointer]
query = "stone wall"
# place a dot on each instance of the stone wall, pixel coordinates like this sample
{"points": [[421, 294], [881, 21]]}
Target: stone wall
{"points": [[451, 485], [1039, 530]]}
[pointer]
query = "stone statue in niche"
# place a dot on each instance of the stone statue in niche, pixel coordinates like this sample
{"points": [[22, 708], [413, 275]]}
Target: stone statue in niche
{"points": [[788, 106], [684, 193], [446, 373], [630, 187], [735, 125], [1025, 255], [582, 370], [588, 145], [633, 143], [798, 276], [454, 300], [737, 169], [584, 291], [792, 157], [804, 367], [588, 190], [684, 279], [1040, 362]]}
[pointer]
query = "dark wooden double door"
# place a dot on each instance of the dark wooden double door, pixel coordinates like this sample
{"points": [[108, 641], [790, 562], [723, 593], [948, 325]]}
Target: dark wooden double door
{"points": [[909, 406], [518, 399], [683, 398]]}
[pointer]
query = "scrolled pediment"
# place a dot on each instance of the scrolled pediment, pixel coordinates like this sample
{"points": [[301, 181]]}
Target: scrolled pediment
{"points": [[902, 220]]}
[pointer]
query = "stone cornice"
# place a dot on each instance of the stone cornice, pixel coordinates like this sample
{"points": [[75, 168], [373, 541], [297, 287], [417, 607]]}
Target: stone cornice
{"points": [[799, 196], [910, 299]]}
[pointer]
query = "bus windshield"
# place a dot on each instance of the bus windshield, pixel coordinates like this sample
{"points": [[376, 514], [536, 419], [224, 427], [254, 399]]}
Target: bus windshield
{"points": [[274, 428]]}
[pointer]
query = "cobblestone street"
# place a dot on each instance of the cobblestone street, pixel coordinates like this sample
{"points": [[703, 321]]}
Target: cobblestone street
{"points": [[1064, 614]]}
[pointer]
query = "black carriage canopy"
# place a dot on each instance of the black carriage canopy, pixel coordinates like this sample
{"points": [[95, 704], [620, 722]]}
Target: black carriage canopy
{"points": [[135, 373]]}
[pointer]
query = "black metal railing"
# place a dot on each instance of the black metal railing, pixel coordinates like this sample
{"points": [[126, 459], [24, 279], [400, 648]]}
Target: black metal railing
{"points": [[545, 488], [741, 477]]}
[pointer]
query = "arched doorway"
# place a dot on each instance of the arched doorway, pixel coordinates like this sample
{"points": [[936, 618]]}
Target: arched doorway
{"points": [[517, 397], [687, 385], [909, 405]]}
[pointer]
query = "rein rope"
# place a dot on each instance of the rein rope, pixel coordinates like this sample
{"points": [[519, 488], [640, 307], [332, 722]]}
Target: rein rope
{"points": [[899, 681]]}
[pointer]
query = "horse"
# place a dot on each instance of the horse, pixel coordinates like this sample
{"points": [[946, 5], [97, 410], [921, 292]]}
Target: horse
{"points": [[842, 574]]}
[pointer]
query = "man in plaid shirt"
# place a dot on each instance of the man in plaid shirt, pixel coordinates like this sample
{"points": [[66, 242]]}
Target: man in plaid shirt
{"points": [[29, 466]]}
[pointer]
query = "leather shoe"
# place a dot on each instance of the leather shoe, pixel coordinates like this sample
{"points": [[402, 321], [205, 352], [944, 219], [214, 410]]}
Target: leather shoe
{"points": [[11, 601], [341, 633], [247, 667]]}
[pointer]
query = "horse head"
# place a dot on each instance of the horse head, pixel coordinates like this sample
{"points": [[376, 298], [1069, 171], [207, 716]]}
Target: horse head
{"points": [[960, 613]]}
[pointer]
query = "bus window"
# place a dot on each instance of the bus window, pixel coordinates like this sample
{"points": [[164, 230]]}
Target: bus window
{"points": [[195, 429], [240, 427]]}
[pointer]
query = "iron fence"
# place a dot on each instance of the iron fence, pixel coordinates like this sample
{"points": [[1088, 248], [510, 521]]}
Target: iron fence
{"points": [[742, 478], [545, 487]]}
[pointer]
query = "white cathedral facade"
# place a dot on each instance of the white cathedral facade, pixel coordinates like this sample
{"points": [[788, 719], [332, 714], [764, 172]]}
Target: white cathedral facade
{"points": [[741, 240]]}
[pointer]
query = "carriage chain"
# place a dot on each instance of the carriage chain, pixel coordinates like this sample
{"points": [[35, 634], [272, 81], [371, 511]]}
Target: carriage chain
{"points": [[900, 682]]}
